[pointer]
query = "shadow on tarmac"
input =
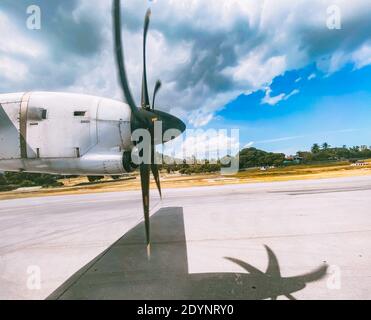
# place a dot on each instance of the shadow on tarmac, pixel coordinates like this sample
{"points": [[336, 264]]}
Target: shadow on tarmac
{"points": [[124, 272]]}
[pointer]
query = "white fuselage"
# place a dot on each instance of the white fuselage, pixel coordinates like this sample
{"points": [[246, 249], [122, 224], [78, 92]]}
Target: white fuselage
{"points": [[63, 133]]}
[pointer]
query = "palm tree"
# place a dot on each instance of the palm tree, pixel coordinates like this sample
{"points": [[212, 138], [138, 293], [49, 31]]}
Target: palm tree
{"points": [[315, 148], [325, 146]]}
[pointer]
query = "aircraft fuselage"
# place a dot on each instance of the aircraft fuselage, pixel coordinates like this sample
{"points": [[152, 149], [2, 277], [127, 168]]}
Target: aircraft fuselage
{"points": [[63, 133]]}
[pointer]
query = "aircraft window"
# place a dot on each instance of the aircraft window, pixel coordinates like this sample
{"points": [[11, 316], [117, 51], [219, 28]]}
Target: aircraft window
{"points": [[36, 114], [79, 113]]}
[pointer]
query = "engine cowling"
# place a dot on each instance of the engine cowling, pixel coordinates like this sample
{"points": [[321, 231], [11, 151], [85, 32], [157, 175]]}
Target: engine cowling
{"points": [[95, 164], [127, 160]]}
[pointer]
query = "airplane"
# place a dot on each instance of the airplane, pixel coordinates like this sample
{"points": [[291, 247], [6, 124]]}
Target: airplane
{"points": [[75, 134]]}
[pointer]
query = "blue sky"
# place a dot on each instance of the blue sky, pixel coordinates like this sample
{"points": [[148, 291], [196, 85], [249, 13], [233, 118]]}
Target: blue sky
{"points": [[332, 108], [273, 69]]}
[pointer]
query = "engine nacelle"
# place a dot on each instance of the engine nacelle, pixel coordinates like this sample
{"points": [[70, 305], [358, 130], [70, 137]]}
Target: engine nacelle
{"points": [[96, 164], [127, 160], [99, 164]]}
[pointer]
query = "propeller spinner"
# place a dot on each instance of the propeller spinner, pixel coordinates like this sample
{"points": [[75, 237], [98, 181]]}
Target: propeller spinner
{"points": [[145, 117]]}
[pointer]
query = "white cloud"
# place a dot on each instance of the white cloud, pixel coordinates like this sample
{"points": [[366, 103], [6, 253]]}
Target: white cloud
{"points": [[211, 144], [312, 76], [292, 93], [204, 144], [255, 70], [272, 43], [14, 42], [205, 52], [268, 99], [199, 119], [289, 138], [362, 56], [15, 48], [249, 144], [12, 70]]}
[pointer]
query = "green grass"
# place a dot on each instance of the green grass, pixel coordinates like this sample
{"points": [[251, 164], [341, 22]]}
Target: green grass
{"points": [[301, 169]]}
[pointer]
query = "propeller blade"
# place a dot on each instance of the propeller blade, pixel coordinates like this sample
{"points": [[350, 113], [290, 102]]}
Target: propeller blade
{"points": [[144, 178], [273, 269], [154, 167], [145, 97], [156, 175], [317, 274], [157, 87], [120, 57]]}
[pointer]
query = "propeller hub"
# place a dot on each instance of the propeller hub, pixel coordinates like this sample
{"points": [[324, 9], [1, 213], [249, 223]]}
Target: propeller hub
{"points": [[162, 125]]}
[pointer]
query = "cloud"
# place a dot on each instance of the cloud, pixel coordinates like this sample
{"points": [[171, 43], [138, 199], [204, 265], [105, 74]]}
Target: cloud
{"points": [[249, 144], [292, 93], [268, 99], [206, 53], [289, 138], [362, 56], [54, 57], [15, 48], [204, 144], [312, 76], [12, 70], [14, 42]]}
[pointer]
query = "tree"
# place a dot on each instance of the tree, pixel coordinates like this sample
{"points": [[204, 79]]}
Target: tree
{"points": [[252, 157], [2, 180], [325, 146], [363, 148], [315, 148], [25, 179]]}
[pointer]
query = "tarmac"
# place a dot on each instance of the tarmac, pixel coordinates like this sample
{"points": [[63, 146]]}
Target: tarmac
{"points": [[308, 239]]}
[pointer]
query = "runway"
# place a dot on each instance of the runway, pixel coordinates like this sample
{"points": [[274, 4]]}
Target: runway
{"points": [[207, 242]]}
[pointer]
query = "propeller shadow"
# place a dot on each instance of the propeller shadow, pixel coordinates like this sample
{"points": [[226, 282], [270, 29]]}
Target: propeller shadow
{"points": [[124, 272]]}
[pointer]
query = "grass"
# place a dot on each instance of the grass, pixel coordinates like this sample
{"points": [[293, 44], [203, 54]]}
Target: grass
{"points": [[312, 171], [298, 172]]}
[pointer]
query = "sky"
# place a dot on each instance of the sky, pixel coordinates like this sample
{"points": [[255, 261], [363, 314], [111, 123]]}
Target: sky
{"points": [[286, 73]]}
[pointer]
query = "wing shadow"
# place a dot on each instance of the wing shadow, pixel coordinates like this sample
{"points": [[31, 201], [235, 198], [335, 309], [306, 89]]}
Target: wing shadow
{"points": [[124, 272]]}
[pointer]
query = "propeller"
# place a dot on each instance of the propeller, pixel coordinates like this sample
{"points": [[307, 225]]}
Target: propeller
{"points": [[145, 97], [145, 117], [280, 285], [157, 87]]}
